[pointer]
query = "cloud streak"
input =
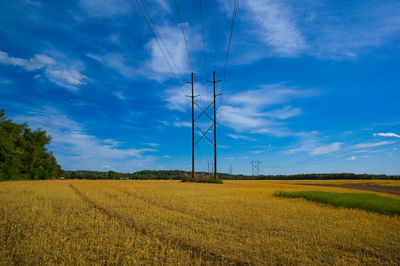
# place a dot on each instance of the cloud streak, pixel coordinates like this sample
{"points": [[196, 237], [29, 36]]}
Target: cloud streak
{"points": [[387, 135], [57, 73]]}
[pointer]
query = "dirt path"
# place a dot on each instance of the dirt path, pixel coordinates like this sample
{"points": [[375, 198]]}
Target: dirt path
{"points": [[363, 186]]}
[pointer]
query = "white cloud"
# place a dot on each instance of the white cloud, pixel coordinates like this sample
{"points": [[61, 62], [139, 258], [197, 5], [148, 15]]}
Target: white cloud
{"points": [[258, 151], [67, 78], [270, 94], [253, 111], [175, 97], [372, 144], [236, 136], [352, 158], [182, 124], [311, 143], [56, 72], [156, 67], [325, 149], [229, 158], [387, 135], [275, 26], [37, 62]]}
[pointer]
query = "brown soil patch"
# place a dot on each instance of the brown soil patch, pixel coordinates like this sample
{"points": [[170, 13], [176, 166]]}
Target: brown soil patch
{"points": [[363, 186]]}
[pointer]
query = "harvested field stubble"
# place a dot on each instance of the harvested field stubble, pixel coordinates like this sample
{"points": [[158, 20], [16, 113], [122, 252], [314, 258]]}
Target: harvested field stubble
{"points": [[170, 222]]}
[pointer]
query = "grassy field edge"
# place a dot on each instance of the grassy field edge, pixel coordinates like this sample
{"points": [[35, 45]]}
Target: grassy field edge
{"points": [[366, 201]]}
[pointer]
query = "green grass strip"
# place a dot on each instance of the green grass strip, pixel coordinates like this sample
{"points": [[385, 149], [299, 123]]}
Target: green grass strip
{"points": [[365, 201], [206, 180]]}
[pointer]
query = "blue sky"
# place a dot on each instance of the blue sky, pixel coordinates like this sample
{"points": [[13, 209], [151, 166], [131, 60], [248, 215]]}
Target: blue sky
{"points": [[311, 86]]}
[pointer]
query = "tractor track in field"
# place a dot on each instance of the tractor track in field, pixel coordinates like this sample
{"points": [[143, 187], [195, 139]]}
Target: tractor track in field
{"points": [[195, 251], [243, 227], [166, 207]]}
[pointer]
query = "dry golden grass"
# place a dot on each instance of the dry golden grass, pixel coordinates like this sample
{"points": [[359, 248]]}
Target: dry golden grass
{"points": [[169, 222]]}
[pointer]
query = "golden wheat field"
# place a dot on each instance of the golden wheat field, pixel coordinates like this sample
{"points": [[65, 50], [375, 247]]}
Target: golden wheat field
{"points": [[168, 222]]}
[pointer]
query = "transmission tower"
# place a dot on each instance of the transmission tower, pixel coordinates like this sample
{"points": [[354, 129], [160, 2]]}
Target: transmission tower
{"points": [[255, 168], [204, 133]]}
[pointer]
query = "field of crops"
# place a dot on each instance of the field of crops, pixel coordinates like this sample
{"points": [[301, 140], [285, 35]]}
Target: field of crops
{"points": [[170, 222]]}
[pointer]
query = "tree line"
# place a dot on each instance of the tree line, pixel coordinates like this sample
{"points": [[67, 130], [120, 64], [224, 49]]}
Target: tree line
{"points": [[23, 152], [178, 175]]}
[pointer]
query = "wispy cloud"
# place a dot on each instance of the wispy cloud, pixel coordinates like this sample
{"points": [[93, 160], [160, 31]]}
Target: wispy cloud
{"points": [[372, 144], [67, 78], [270, 94], [156, 66], [175, 97], [56, 72], [313, 144], [387, 135], [151, 144], [275, 26], [182, 124], [38, 61], [325, 149], [75, 147], [254, 111], [236, 136], [348, 36], [284, 29], [116, 62]]}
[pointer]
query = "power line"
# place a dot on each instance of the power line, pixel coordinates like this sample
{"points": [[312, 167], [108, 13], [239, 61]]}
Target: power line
{"points": [[158, 43], [204, 40], [235, 8], [149, 22], [234, 13], [183, 33], [161, 39]]}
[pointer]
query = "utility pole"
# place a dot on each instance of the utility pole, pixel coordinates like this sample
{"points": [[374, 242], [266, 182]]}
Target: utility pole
{"points": [[192, 96], [215, 127]]}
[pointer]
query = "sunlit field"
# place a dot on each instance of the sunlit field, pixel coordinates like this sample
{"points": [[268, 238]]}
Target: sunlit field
{"points": [[170, 222]]}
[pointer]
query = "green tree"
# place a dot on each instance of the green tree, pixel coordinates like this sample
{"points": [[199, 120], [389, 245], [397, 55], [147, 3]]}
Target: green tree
{"points": [[23, 152]]}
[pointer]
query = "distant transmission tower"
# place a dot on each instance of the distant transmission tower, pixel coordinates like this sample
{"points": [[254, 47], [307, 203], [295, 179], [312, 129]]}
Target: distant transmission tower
{"points": [[255, 168]]}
